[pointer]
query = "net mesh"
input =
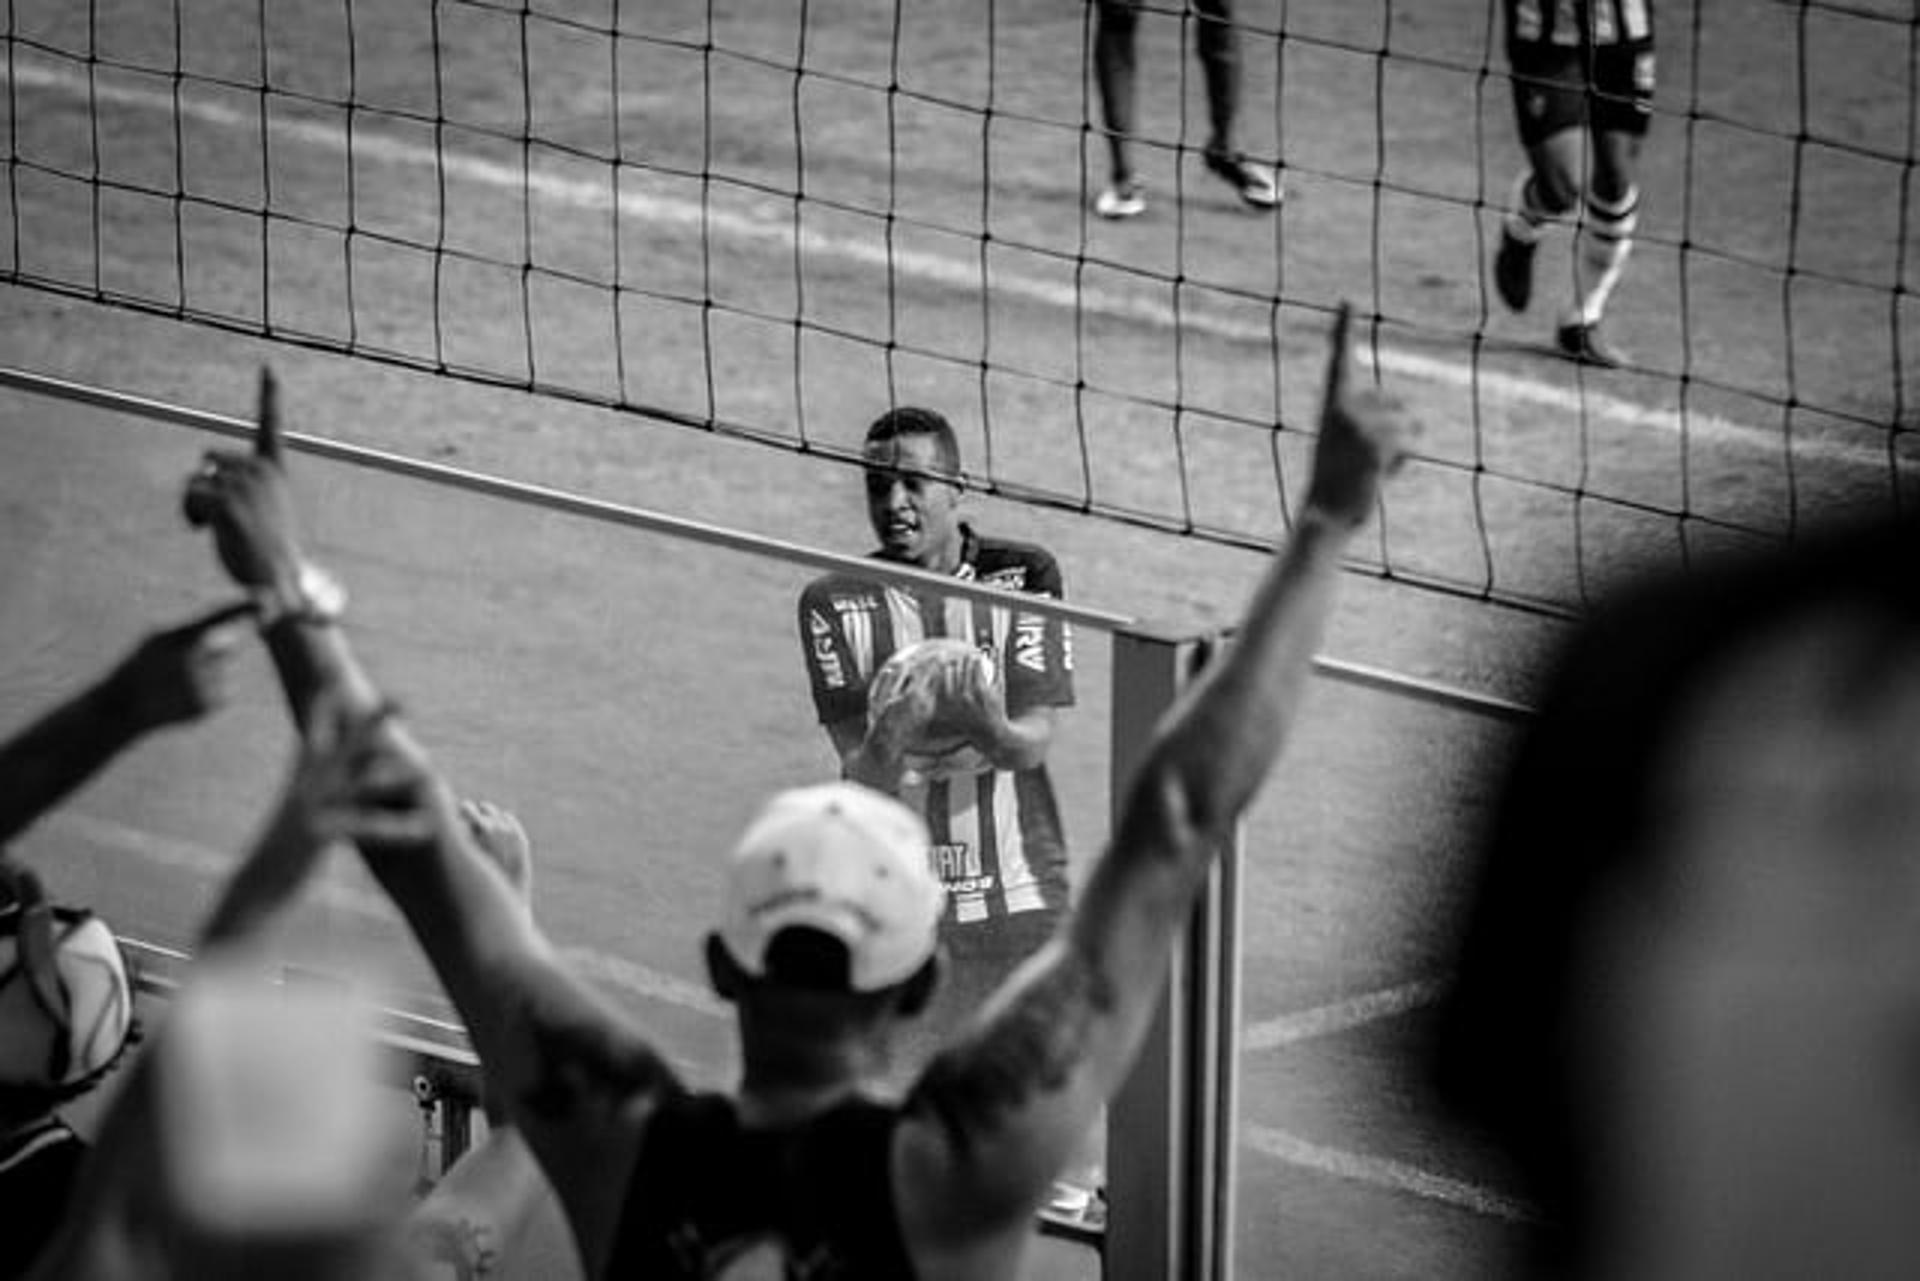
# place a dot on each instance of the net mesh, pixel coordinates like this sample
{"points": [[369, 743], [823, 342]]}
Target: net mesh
{"points": [[774, 220]]}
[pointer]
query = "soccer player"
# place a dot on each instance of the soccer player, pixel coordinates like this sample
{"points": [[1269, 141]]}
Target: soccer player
{"points": [[998, 846], [828, 942], [997, 841], [1582, 74], [1115, 23]]}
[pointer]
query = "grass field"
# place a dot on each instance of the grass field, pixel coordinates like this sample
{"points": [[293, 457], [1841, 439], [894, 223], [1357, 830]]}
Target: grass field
{"points": [[631, 697]]}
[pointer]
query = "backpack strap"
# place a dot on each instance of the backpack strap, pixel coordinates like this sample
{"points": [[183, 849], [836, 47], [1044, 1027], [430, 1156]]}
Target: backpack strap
{"points": [[38, 960]]}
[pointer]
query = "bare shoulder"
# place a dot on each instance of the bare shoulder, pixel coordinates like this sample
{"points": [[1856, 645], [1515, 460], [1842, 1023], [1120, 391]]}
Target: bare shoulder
{"points": [[586, 1066], [585, 1113], [998, 1113]]}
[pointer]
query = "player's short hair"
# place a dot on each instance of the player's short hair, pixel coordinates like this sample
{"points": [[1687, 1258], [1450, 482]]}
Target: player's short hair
{"points": [[914, 420]]}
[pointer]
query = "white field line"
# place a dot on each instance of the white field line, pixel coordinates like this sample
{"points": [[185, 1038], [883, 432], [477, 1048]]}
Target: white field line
{"points": [[630, 977], [639, 980], [633, 978], [1339, 1016], [1379, 1172], [775, 230], [73, 827]]}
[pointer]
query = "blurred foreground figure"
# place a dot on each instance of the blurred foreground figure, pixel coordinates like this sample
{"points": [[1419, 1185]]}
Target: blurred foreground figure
{"points": [[1688, 997], [249, 1140]]}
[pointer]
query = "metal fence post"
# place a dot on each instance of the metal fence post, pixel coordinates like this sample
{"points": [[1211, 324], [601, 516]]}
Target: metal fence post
{"points": [[1167, 1126]]}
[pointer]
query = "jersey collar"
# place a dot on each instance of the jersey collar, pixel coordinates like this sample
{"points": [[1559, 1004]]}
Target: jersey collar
{"points": [[967, 569]]}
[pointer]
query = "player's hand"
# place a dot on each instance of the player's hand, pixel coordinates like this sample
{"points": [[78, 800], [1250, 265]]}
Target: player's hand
{"points": [[977, 704], [182, 673], [1365, 436], [244, 497], [502, 838], [901, 701]]}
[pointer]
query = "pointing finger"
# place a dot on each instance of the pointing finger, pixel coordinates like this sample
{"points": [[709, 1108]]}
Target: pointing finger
{"points": [[266, 442], [1340, 352]]}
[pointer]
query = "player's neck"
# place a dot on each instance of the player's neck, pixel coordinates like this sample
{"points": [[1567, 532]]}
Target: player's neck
{"points": [[948, 556]]}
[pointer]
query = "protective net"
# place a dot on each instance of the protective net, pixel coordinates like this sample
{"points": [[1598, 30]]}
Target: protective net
{"points": [[773, 220]]}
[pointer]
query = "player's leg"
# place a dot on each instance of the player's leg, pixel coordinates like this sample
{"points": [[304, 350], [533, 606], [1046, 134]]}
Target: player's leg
{"points": [[1601, 246], [1550, 108], [981, 958], [1621, 111], [1114, 25], [1218, 46]]}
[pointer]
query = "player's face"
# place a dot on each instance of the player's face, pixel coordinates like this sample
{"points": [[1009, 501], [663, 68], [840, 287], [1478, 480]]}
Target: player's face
{"points": [[915, 513]]}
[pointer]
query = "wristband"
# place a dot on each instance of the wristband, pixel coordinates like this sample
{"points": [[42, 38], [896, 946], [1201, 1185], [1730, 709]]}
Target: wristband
{"points": [[314, 596]]}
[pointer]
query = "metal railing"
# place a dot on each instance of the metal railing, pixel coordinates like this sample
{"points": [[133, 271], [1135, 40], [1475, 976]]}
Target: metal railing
{"points": [[429, 1057]]}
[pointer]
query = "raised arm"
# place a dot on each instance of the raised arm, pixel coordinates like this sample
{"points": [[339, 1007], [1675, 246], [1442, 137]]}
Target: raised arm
{"points": [[997, 1115], [244, 499], [171, 677], [569, 1071], [330, 795], [572, 1074]]}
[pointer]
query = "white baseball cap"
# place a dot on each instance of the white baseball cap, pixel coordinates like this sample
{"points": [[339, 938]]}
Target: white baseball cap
{"points": [[847, 861]]}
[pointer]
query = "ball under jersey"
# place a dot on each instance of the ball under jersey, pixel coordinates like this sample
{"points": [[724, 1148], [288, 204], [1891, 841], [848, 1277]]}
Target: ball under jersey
{"points": [[998, 846]]}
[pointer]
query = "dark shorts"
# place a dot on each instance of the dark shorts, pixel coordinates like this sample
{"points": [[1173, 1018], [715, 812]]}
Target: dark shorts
{"points": [[1554, 88]]}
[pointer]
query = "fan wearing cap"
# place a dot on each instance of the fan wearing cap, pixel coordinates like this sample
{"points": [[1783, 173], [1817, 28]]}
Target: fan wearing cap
{"points": [[889, 663], [828, 940]]}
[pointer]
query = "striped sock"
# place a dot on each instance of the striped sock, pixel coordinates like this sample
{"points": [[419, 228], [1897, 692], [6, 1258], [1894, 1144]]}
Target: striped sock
{"points": [[1601, 247]]}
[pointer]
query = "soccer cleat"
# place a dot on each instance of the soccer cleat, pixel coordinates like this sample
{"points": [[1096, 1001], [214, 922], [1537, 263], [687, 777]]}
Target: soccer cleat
{"points": [[1513, 271], [1585, 343], [1075, 1211], [1255, 183], [1120, 200]]}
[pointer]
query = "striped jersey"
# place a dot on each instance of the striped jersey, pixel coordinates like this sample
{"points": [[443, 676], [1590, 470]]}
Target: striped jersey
{"points": [[998, 846], [1574, 24]]}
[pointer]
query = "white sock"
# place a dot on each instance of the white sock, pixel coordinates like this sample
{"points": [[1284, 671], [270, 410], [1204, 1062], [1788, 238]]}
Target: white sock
{"points": [[1600, 254]]}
